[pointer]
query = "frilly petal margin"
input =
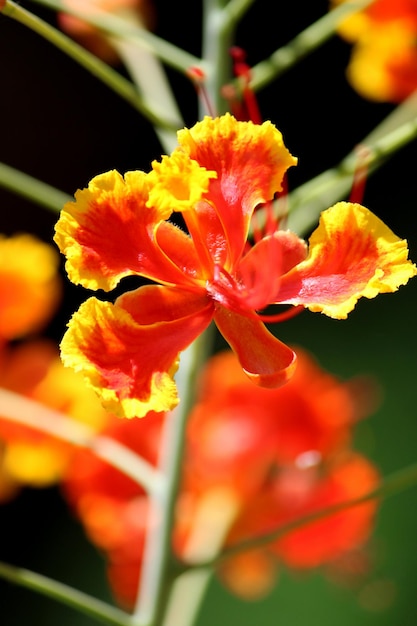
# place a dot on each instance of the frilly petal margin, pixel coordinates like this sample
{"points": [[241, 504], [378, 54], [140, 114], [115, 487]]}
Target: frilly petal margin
{"points": [[108, 233], [250, 161], [131, 365], [265, 359], [352, 254]]}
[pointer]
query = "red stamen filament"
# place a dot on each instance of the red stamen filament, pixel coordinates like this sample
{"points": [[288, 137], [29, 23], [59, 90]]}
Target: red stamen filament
{"points": [[360, 175], [236, 299], [197, 76], [281, 317], [242, 70]]}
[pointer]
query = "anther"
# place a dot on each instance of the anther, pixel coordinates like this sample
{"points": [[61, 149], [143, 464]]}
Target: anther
{"points": [[198, 77], [242, 70]]}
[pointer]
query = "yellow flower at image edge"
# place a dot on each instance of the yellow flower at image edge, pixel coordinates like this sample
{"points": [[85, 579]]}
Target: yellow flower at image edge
{"points": [[30, 287], [383, 65], [220, 173]]}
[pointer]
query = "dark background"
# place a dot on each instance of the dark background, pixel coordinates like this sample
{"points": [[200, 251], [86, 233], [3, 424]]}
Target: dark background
{"points": [[63, 126]]}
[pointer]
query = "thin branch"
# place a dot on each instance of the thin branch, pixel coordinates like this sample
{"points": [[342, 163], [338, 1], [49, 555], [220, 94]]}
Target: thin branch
{"points": [[303, 44], [22, 410], [395, 483], [307, 201], [93, 607], [159, 567], [124, 88], [31, 188], [118, 27], [235, 10]]}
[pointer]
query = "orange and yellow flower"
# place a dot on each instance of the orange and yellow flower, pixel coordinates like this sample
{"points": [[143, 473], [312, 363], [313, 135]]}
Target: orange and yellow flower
{"points": [[221, 172], [383, 64]]}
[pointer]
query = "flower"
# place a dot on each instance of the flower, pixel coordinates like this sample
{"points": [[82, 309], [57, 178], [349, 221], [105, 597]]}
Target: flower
{"points": [[306, 422], [111, 506], [221, 172], [136, 11], [281, 454], [30, 290], [254, 459], [28, 274], [383, 64], [29, 456], [294, 494]]}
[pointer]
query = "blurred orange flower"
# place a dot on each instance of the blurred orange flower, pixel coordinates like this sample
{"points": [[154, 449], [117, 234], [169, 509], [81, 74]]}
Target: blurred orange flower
{"points": [[30, 292], [275, 455], [138, 12], [28, 456]]}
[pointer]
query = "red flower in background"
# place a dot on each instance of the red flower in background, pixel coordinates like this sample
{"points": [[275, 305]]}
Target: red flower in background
{"points": [[272, 455]]}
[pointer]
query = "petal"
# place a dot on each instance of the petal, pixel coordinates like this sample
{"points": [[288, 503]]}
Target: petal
{"points": [[352, 254], [327, 539], [267, 361], [29, 274], [250, 161], [261, 268], [109, 232], [177, 183], [129, 351], [180, 184]]}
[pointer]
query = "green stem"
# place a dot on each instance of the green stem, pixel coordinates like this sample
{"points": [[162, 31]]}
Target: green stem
{"points": [[159, 566], [148, 74], [22, 410], [28, 187], [307, 201], [235, 10], [399, 481], [217, 38], [303, 44], [212, 520], [124, 88], [97, 609], [118, 27]]}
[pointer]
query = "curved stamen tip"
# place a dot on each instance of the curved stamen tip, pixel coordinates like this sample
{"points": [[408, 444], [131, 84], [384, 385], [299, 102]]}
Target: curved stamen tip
{"points": [[196, 74], [283, 316], [198, 77]]}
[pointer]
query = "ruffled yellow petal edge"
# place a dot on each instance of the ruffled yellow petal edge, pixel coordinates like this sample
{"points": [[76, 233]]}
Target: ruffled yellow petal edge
{"points": [[96, 232], [98, 327], [177, 183], [262, 145], [387, 262]]}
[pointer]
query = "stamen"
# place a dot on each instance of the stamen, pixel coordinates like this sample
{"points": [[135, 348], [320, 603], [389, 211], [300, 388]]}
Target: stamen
{"points": [[229, 93], [197, 76], [283, 316], [282, 206], [242, 70], [360, 175]]}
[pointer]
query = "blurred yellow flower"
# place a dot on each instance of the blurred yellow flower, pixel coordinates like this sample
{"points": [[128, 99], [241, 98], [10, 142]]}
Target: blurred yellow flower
{"points": [[383, 65], [30, 287]]}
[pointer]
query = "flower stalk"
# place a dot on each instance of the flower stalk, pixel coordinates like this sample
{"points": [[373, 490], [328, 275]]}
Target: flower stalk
{"points": [[22, 410], [73, 598]]}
